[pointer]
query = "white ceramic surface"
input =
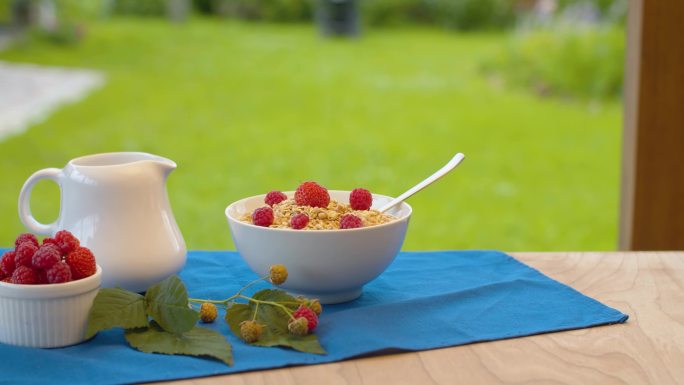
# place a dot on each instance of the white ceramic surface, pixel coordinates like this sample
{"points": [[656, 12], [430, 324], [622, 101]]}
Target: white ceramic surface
{"points": [[116, 204], [331, 265], [47, 316]]}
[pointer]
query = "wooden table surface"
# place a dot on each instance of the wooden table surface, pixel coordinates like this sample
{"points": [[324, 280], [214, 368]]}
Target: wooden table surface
{"points": [[648, 349]]}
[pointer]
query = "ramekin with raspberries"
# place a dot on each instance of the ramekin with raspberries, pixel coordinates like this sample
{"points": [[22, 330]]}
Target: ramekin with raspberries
{"points": [[57, 260], [46, 291]]}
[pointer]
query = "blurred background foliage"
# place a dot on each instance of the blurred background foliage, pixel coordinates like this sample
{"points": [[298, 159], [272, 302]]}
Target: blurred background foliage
{"points": [[566, 48], [530, 89]]}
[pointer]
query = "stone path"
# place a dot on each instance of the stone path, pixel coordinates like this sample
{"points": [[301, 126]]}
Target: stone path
{"points": [[29, 93]]}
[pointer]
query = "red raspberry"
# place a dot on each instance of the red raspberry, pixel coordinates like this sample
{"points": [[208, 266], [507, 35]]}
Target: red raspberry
{"points": [[7, 279], [66, 242], [46, 256], [7, 263], [350, 221], [42, 277], [59, 273], [307, 313], [82, 263], [299, 221], [312, 194], [48, 240], [274, 197], [24, 254], [263, 216], [24, 276], [360, 199], [26, 237]]}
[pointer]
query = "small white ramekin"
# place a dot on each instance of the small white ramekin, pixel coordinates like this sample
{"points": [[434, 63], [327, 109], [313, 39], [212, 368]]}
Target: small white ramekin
{"points": [[47, 316]]}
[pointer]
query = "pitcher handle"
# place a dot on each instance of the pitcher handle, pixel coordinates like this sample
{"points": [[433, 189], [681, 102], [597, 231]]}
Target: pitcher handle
{"points": [[25, 201]]}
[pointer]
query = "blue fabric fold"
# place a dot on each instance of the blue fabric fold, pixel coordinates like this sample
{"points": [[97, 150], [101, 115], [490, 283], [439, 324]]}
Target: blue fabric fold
{"points": [[424, 300]]}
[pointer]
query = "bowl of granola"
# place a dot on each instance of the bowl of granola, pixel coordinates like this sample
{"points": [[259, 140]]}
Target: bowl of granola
{"points": [[332, 242]]}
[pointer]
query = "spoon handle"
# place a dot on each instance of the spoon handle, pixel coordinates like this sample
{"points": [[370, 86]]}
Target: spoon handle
{"points": [[428, 181]]}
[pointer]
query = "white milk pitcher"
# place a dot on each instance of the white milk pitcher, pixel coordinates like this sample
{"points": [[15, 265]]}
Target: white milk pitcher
{"points": [[116, 205]]}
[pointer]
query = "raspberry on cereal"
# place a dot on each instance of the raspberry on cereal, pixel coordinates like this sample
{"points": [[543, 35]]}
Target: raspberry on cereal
{"points": [[299, 221], [350, 221], [274, 197], [312, 194], [263, 216], [360, 199]]}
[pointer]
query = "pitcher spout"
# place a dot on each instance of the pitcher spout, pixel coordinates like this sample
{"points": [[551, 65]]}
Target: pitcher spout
{"points": [[164, 165]]}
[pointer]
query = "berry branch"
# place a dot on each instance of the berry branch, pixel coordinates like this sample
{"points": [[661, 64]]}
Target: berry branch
{"points": [[301, 313], [164, 321]]}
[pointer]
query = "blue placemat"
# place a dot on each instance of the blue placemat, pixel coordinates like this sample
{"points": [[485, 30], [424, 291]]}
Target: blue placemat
{"points": [[424, 300]]}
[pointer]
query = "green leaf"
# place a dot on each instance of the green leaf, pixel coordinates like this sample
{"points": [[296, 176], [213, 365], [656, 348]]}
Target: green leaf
{"points": [[116, 308], [167, 303], [198, 341], [275, 321]]}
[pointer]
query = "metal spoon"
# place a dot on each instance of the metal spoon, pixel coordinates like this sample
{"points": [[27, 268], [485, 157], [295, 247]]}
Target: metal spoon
{"points": [[426, 182]]}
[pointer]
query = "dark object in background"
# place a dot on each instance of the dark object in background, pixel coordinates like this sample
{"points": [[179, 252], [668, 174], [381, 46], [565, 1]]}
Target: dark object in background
{"points": [[337, 17], [22, 14]]}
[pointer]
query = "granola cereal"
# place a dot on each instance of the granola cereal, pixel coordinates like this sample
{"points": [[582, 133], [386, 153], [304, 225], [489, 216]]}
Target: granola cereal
{"points": [[320, 218]]}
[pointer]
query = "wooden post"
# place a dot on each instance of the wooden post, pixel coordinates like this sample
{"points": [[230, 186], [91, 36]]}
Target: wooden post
{"points": [[652, 207]]}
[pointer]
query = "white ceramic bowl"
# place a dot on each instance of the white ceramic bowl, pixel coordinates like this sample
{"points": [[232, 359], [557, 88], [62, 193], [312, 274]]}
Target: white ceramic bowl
{"points": [[47, 316], [331, 265]]}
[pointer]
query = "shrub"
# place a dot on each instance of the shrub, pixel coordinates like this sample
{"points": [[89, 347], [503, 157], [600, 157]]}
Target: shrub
{"points": [[474, 14], [396, 12], [270, 10], [586, 62], [139, 7], [454, 14]]}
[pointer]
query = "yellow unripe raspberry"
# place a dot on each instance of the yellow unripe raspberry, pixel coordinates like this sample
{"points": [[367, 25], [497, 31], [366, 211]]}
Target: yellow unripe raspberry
{"points": [[250, 331], [315, 305], [208, 312], [278, 274], [298, 326]]}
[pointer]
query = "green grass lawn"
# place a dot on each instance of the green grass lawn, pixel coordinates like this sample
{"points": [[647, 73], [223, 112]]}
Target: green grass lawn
{"points": [[246, 108]]}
